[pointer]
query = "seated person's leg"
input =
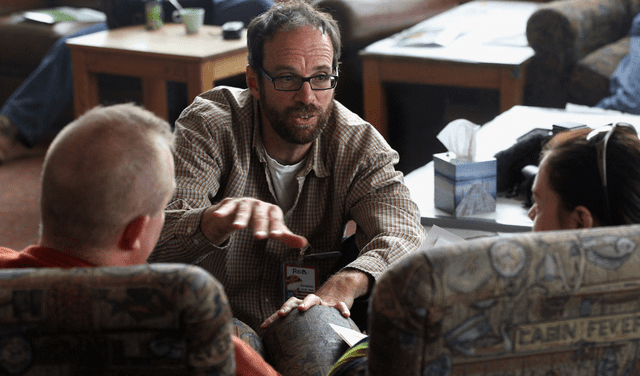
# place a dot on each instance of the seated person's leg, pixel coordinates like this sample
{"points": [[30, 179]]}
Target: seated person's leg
{"points": [[31, 112], [303, 343]]}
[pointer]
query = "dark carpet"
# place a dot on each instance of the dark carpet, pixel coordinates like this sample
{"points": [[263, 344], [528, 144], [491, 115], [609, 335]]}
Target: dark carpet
{"points": [[19, 200]]}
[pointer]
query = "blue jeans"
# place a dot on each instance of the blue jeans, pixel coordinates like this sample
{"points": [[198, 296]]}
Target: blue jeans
{"points": [[36, 106], [624, 84]]}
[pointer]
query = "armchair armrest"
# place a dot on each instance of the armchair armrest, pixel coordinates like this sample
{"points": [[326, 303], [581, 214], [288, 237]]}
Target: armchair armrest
{"points": [[566, 31]]}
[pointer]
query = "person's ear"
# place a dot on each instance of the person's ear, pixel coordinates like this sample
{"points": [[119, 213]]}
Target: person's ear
{"points": [[131, 236], [581, 217], [252, 82]]}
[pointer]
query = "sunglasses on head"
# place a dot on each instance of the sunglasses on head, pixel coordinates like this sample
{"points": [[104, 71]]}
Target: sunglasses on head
{"points": [[601, 147]]}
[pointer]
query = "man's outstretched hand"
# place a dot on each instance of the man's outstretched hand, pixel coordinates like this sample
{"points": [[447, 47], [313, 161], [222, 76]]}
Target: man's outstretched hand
{"points": [[267, 221]]}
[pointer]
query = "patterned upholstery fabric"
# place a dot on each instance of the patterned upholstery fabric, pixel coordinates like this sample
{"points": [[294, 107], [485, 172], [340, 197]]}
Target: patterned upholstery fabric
{"points": [[159, 319], [535, 304], [563, 34], [248, 335]]}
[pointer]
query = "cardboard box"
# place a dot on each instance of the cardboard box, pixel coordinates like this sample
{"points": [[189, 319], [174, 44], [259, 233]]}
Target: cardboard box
{"points": [[463, 187]]}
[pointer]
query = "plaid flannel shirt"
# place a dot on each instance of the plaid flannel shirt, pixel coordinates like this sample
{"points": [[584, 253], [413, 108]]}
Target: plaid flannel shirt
{"points": [[349, 175]]}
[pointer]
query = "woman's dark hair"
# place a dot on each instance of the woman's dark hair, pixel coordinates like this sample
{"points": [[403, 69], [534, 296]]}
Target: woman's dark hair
{"points": [[290, 15], [574, 174]]}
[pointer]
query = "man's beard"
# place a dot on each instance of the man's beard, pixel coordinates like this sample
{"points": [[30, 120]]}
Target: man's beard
{"points": [[294, 134]]}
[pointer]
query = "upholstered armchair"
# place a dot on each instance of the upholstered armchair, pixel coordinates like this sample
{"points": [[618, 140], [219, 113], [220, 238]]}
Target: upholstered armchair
{"points": [[158, 319], [535, 304], [578, 45]]}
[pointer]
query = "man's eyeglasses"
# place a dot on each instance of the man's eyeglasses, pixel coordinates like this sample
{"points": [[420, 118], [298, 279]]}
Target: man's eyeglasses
{"points": [[293, 83], [601, 147]]}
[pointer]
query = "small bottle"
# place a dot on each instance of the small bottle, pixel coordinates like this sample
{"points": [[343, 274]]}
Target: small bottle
{"points": [[153, 14]]}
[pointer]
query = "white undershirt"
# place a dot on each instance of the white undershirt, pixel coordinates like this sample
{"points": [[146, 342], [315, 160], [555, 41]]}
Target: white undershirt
{"points": [[284, 181]]}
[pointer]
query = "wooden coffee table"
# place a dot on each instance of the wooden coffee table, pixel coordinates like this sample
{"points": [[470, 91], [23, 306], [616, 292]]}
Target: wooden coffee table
{"points": [[166, 54], [489, 51]]}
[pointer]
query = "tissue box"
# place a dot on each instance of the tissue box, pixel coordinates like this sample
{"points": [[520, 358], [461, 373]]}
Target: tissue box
{"points": [[464, 187]]}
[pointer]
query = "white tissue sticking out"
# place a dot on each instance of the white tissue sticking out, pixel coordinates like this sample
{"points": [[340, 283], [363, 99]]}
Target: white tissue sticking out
{"points": [[459, 137]]}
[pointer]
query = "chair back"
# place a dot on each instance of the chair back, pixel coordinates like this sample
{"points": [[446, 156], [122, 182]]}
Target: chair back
{"points": [[157, 319], [548, 303]]}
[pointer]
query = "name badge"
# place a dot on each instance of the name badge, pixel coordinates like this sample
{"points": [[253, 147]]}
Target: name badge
{"points": [[298, 279]]}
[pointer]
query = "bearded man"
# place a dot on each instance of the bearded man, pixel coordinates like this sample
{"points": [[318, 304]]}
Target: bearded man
{"points": [[268, 178]]}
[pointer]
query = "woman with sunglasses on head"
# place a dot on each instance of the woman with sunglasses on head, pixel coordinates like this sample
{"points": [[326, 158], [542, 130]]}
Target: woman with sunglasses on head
{"points": [[588, 178]]}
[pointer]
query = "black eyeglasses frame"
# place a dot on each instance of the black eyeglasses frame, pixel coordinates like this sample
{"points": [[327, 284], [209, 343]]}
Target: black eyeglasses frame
{"points": [[332, 77]]}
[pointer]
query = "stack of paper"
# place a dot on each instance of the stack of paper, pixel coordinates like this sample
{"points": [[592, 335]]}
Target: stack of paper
{"points": [[59, 14]]}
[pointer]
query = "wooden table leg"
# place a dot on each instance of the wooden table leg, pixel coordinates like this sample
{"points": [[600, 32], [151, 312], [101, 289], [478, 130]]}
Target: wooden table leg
{"points": [[154, 96], [375, 97], [200, 79], [511, 88], [85, 85]]}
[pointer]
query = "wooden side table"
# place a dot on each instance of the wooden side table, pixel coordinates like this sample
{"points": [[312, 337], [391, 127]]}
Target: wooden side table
{"points": [[489, 51], [166, 54]]}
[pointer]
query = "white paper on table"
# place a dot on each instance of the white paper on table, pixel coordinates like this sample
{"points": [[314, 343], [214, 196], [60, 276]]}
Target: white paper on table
{"points": [[492, 32], [430, 37], [350, 336]]}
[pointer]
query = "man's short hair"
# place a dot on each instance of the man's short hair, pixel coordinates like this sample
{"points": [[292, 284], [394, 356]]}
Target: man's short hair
{"points": [[285, 16], [103, 170]]}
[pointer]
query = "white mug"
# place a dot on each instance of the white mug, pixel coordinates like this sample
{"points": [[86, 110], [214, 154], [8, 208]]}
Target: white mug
{"points": [[192, 18]]}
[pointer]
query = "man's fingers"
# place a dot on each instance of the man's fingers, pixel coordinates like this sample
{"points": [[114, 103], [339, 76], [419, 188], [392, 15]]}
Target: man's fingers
{"points": [[287, 307], [344, 310], [309, 301], [279, 231], [276, 226], [295, 241], [266, 220], [243, 214], [290, 239], [235, 211], [260, 219], [238, 211], [269, 320]]}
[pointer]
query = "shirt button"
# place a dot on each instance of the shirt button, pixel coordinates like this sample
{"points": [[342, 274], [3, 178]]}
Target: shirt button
{"points": [[195, 241], [266, 300], [189, 229]]}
